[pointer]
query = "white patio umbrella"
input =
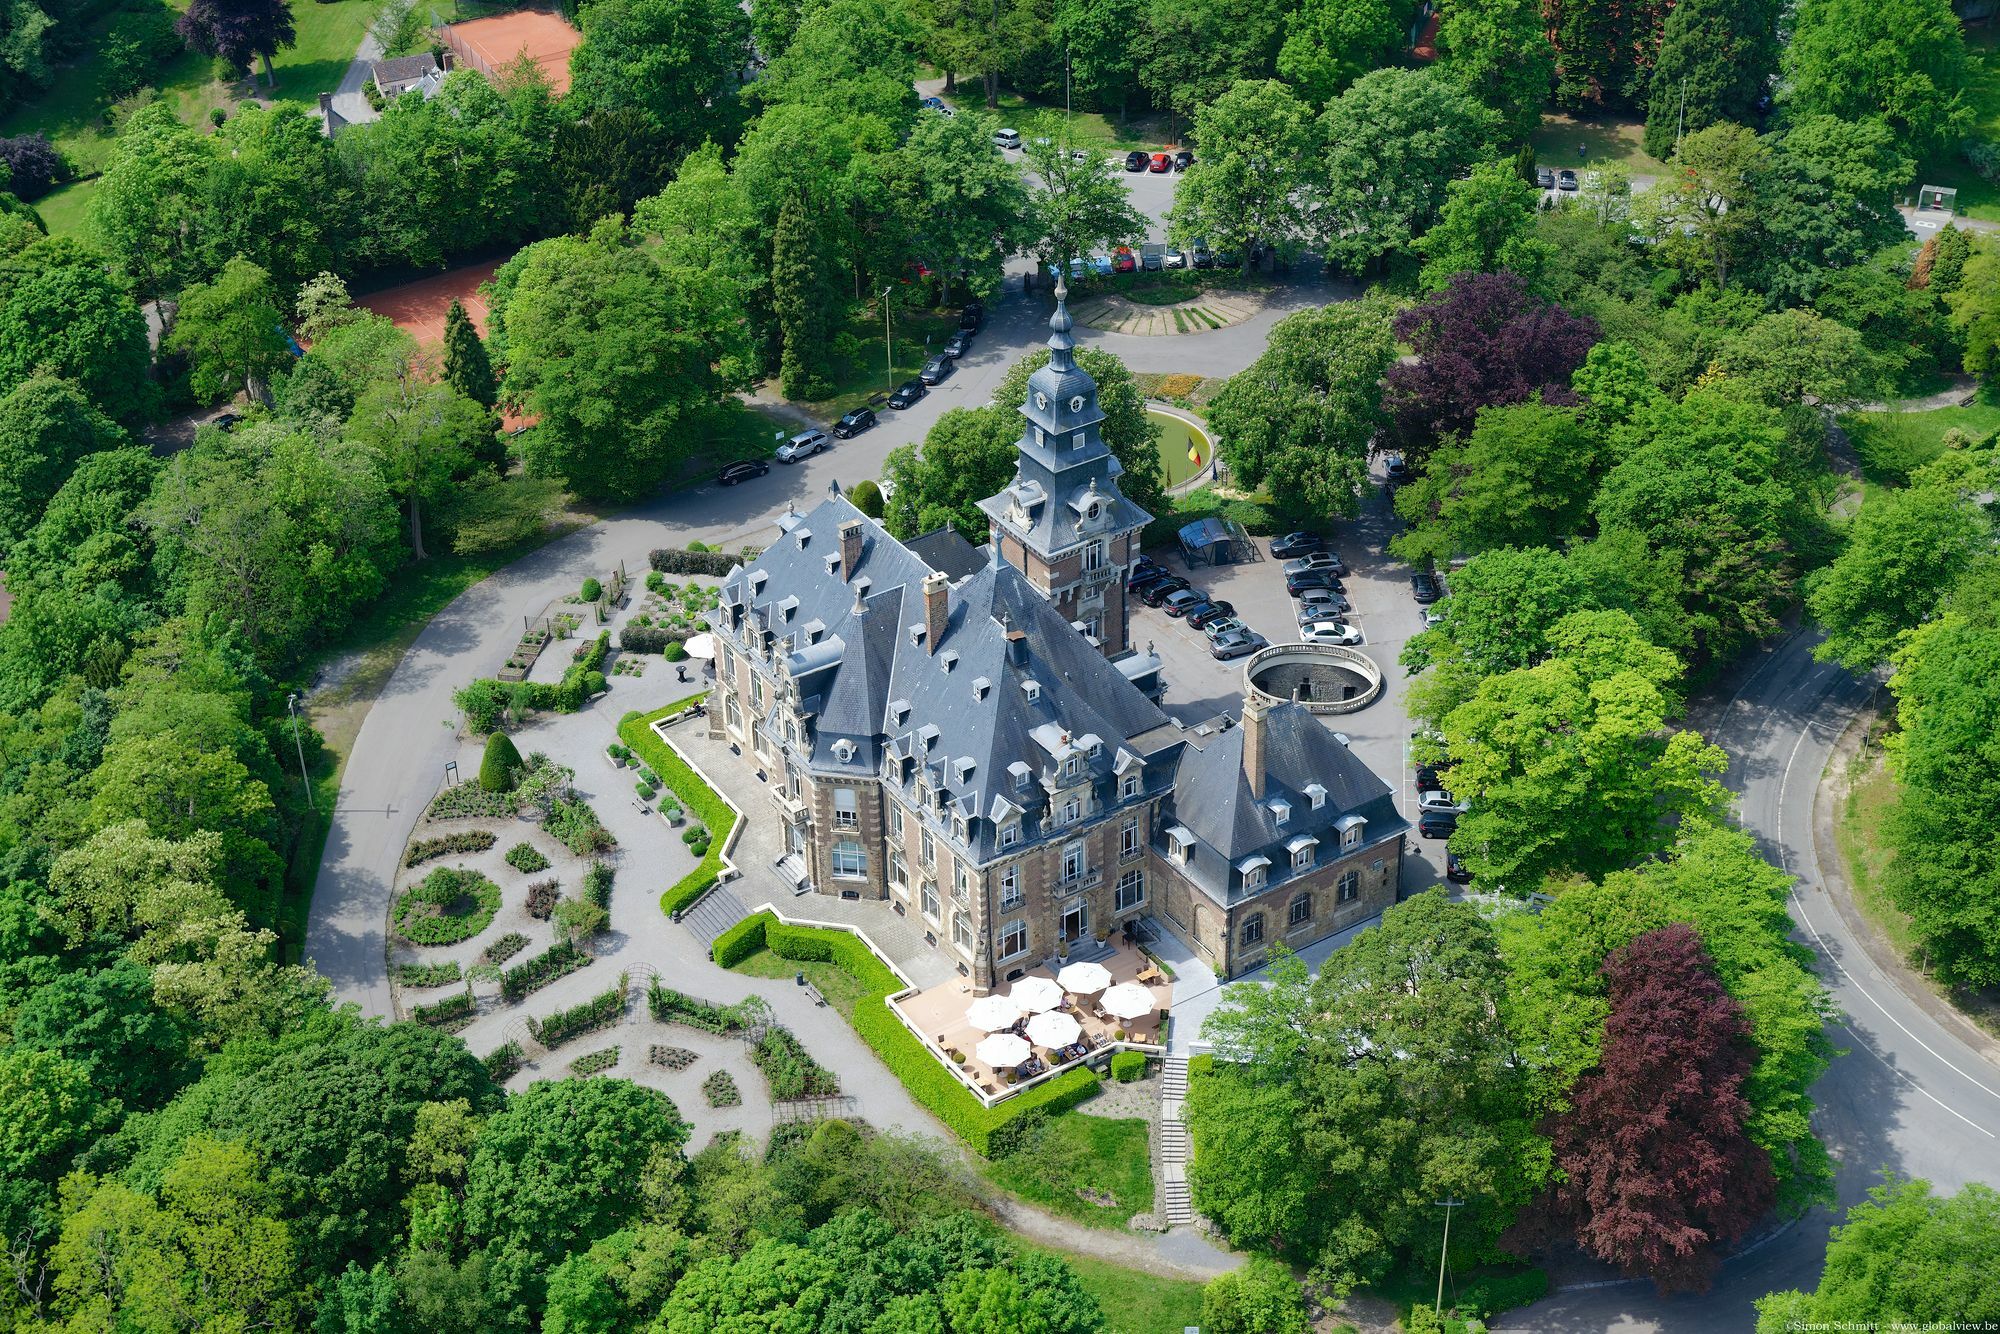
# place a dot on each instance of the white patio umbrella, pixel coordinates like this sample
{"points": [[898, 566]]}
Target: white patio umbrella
{"points": [[992, 1012], [1127, 1000], [1035, 994], [700, 646], [1084, 979], [1054, 1029], [1002, 1050]]}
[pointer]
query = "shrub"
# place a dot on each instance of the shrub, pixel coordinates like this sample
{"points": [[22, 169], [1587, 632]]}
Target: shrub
{"points": [[676, 652], [524, 858], [500, 763], [483, 703], [559, 960], [448, 905], [789, 1070], [674, 1058], [585, 1066], [651, 639], [504, 948], [36, 166], [677, 1007], [655, 581], [451, 1013], [421, 975], [542, 897], [1127, 1066], [597, 884], [866, 497], [991, 1131], [591, 590], [1490, 1294], [720, 1090], [466, 840], [691, 792], [577, 827], [504, 1061], [471, 801], [599, 1011], [580, 919], [689, 560], [1983, 155]]}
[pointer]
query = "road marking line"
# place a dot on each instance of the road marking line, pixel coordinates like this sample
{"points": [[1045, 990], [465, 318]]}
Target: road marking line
{"points": [[1799, 912]]}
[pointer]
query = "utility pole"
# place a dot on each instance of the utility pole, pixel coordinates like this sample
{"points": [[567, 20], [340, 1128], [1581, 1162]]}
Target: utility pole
{"points": [[292, 707], [1437, 1307], [888, 347]]}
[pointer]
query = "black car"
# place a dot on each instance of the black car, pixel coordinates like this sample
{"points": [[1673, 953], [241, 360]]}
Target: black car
{"points": [[1296, 584], [970, 316], [957, 345], [1157, 592], [1211, 609], [1183, 159], [1137, 161], [1182, 601], [907, 393], [1296, 544], [1455, 869], [742, 471], [854, 423], [1437, 824], [935, 370], [1424, 587], [1146, 565], [1138, 579], [1427, 779]]}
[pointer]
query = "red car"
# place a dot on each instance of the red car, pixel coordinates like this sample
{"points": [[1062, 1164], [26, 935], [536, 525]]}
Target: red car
{"points": [[1161, 163], [1122, 261]]}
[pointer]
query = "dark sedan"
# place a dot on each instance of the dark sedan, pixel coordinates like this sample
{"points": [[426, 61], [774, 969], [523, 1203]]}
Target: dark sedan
{"points": [[1136, 161], [958, 345], [1298, 583], [907, 393], [1210, 611], [854, 423], [1182, 601], [742, 471], [1455, 869], [1296, 544], [1437, 824], [1139, 579], [1424, 588], [1157, 592], [935, 370], [1183, 159], [971, 315]]}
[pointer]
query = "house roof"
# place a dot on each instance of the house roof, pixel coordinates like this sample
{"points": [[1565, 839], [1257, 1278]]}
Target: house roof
{"points": [[398, 70], [947, 551]]}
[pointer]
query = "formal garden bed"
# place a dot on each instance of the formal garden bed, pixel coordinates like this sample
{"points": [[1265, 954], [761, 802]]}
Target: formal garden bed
{"points": [[716, 816], [524, 858], [466, 840], [595, 1062], [720, 1090], [418, 976], [673, 1058], [600, 1011], [448, 905]]}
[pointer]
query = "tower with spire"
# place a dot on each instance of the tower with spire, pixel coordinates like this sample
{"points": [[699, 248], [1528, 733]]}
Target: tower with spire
{"points": [[1063, 521]]}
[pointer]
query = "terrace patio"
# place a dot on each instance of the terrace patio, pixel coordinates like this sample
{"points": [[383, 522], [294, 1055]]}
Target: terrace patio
{"points": [[937, 1015]]}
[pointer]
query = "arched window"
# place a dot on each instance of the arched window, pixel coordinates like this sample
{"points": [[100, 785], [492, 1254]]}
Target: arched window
{"points": [[1253, 928]]}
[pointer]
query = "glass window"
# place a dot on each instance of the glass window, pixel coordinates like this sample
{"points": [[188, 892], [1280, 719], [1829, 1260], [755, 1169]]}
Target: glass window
{"points": [[1128, 839], [899, 871], [1071, 810], [1350, 837], [1253, 928], [930, 900], [849, 861], [1013, 939], [1128, 786], [1350, 887], [1131, 890], [926, 852], [1072, 765], [1302, 858], [960, 882], [1253, 878], [1302, 909], [1093, 556], [961, 931], [1010, 887], [1072, 862], [895, 819], [846, 814], [1010, 834], [756, 688]]}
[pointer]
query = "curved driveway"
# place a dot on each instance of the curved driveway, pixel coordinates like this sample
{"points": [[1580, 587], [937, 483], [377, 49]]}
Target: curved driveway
{"points": [[1908, 1096]]}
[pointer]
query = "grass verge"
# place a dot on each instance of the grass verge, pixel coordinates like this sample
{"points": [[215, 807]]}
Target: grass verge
{"points": [[863, 377], [1133, 1301], [1892, 445], [1603, 139], [1872, 794], [1094, 1169]]}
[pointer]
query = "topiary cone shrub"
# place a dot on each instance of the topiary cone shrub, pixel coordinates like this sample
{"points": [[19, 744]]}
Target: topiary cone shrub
{"points": [[498, 766]]}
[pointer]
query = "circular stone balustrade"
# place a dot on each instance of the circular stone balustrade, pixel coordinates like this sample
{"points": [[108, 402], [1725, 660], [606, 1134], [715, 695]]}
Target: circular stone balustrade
{"points": [[1326, 678]]}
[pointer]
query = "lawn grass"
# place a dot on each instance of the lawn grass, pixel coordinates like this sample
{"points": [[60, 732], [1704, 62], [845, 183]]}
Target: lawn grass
{"points": [[1133, 1301], [1872, 794], [63, 209], [1608, 139], [1076, 1152], [1085, 129], [1173, 441], [1977, 197], [861, 379], [842, 989], [1892, 445]]}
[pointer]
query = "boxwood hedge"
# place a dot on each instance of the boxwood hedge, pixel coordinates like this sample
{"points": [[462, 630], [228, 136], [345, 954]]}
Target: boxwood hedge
{"points": [[707, 806], [992, 1131]]}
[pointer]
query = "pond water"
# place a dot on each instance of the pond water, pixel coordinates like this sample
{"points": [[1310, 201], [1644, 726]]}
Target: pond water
{"points": [[1176, 437]]}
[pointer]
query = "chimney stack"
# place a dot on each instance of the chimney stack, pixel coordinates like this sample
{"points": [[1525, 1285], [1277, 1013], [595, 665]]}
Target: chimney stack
{"points": [[1017, 648], [937, 609], [850, 548], [1254, 710]]}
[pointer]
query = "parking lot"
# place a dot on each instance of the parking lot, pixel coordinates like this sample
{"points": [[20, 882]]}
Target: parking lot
{"points": [[1199, 687]]}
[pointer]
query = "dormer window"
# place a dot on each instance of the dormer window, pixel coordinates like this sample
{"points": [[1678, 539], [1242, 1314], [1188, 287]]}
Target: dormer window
{"points": [[1021, 774], [1350, 827], [1128, 786], [1253, 869], [1032, 689], [1010, 833], [1316, 794], [949, 659], [1072, 766], [843, 750], [1281, 811], [1303, 849]]}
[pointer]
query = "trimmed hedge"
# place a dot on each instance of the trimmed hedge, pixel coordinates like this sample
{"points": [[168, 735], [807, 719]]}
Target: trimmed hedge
{"points": [[1127, 1066], [600, 1011], [453, 1012], [678, 560], [789, 1069], [419, 975], [993, 1132], [636, 731], [465, 840], [504, 1061], [559, 960], [650, 638]]}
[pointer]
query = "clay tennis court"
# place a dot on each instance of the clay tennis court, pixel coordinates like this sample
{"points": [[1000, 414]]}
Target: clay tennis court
{"points": [[490, 45], [419, 307]]}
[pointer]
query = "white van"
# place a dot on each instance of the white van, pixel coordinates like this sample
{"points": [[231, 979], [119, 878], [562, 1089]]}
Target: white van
{"points": [[1006, 138]]}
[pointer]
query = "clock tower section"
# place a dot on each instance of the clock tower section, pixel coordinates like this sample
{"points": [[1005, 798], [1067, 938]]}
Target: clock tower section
{"points": [[1062, 521]]}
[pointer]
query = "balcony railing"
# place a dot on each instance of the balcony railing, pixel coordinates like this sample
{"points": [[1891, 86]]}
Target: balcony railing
{"points": [[1076, 884]]}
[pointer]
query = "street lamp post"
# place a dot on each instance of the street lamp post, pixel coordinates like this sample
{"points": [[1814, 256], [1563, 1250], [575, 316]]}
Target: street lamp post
{"points": [[888, 345], [1437, 1307], [292, 707]]}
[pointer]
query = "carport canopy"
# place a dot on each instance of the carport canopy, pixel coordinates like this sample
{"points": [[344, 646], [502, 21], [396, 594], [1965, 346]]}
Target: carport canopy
{"points": [[1208, 542]]}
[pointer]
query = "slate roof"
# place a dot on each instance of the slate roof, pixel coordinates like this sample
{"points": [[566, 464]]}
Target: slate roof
{"points": [[946, 551], [402, 71], [1213, 801]]}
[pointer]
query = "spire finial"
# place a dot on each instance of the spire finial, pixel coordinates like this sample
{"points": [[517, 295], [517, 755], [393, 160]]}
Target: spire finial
{"points": [[1060, 343]]}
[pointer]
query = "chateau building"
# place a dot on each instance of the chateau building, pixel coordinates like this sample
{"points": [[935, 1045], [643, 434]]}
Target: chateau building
{"points": [[978, 745]]}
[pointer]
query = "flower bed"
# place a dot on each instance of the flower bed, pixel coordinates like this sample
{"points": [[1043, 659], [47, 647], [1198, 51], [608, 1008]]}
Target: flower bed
{"points": [[504, 948], [421, 975], [593, 1062], [790, 1071], [451, 1014], [600, 1011], [542, 896], [597, 884], [465, 840], [674, 1058], [572, 823], [677, 1007], [448, 905], [559, 960], [720, 1090], [636, 731], [471, 801], [524, 858], [504, 1061], [991, 1131]]}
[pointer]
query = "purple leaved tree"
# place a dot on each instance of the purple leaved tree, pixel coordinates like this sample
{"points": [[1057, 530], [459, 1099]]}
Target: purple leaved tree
{"points": [[236, 31]]}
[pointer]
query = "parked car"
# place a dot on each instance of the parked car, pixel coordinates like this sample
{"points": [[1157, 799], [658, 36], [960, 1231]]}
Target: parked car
{"points": [[803, 445], [1157, 592], [1226, 626], [957, 345], [1146, 564], [907, 393], [1006, 138], [1101, 265], [225, 422], [1203, 257], [1327, 607], [1296, 584], [933, 103], [1424, 587], [946, 111], [1183, 159], [1437, 824], [1455, 869], [1176, 259], [1182, 601], [935, 370], [1122, 261], [854, 423], [1437, 799], [1545, 178], [742, 471], [1079, 268], [1139, 583], [1161, 163], [1330, 632], [970, 316], [1565, 179], [1135, 161], [1427, 778], [1399, 470], [1214, 610], [1296, 544], [1318, 560], [1152, 258], [1235, 644]]}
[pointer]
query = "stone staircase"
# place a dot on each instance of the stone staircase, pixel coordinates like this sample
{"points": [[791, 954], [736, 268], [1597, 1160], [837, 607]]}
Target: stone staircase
{"points": [[1175, 1203], [717, 911]]}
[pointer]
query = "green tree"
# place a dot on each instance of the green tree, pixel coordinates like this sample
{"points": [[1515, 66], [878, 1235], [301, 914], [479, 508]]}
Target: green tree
{"points": [[467, 368], [1904, 552], [801, 279], [1503, 604], [1569, 765], [1393, 143], [1331, 43], [1824, 202], [968, 455], [1716, 58], [1902, 61], [425, 434], [499, 764], [1488, 223], [866, 496], [1103, 64], [231, 332], [104, 1022], [1698, 214], [1498, 52], [1074, 207], [1191, 51], [149, 211], [63, 313], [47, 426], [1975, 305], [1795, 357], [675, 61], [1299, 421], [1523, 478], [48, 1112], [276, 197], [960, 201], [1246, 187], [1260, 1298]]}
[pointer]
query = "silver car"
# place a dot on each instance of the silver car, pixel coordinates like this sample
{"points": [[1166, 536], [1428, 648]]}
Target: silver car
{"points": [[803, 446]]}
